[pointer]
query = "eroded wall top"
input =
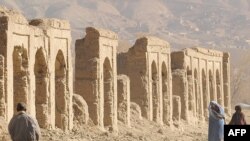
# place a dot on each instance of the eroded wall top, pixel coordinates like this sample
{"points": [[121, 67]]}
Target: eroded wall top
{"points": [[150, 44], [50, 23], [181, 58], [203, 51], [99, 32], [16, 17], [12, 15]]}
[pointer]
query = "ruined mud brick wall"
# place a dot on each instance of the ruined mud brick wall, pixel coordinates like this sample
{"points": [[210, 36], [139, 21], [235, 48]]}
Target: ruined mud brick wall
{"points": [[2, 92], [226, 83], [96, 75], [123, 95], [147, 64], [177, 110], [37, 68], [179, 80], [203, 75]]}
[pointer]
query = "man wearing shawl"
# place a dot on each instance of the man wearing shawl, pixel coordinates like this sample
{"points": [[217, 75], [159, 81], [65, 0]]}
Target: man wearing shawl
{"points": [[216, 122], [22, 127], [238, 117]]}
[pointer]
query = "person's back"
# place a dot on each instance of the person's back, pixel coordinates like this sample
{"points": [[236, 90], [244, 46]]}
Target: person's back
{"points": [[216, 122], [238, 117], [23, 128]]}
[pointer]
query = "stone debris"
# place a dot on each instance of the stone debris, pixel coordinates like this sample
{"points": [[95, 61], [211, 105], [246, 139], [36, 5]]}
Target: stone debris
{"points": [[135, 110], [80, 109]]}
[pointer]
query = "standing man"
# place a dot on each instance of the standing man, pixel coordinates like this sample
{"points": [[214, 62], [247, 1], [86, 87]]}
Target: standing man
{"points": [[22, 127], [238, 117]]}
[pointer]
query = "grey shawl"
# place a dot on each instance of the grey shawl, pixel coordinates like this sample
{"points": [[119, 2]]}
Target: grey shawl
{"points": [[22, 127]]}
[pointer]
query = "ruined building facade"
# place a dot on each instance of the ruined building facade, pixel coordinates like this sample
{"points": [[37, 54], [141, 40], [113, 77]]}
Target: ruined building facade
{"points": [[36, 68], [199, 76], [147, 64], [96, 75]]}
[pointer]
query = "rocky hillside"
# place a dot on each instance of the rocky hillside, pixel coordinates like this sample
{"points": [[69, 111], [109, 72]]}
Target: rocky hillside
{"points": [[213, 23]]}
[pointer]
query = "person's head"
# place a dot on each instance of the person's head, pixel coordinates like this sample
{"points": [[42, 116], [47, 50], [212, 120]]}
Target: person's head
{"points": [[21, 107], [215, 107], [238, 108]]}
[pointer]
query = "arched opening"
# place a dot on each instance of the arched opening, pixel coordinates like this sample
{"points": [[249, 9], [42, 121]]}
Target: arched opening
{"points": [[108, 93], [218, 87], [204, 93], [41, 91], [197, 94], [60, 92], [20, 76], [165, 95], [155, 95], [211, 86], [191, 106]]}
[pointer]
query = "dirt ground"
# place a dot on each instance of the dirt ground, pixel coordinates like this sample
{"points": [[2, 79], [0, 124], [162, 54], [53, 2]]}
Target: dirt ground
{"points": [[141, 130]]}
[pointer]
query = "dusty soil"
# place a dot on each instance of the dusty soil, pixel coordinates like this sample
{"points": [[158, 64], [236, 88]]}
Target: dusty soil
{"points": [[141, 130]]}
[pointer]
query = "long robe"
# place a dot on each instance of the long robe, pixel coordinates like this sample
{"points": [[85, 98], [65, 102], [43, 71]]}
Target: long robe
{"points": [[216, 123], [22, 127], [238, 119]]}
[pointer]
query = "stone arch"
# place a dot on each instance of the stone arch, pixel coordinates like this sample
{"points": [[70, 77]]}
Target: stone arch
{"points": [[41, 88], [108, 92], [204, 93], [20, 76], [165, 95], [61, 112], [211, 86], [155, 94], [218, 87]]}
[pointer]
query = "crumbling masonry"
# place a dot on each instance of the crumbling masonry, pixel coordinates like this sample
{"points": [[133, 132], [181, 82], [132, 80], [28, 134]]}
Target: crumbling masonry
{"points": [[2, 94], [36, 68], [96, 75], [147, 64], [199, 76], [123, 96]]}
